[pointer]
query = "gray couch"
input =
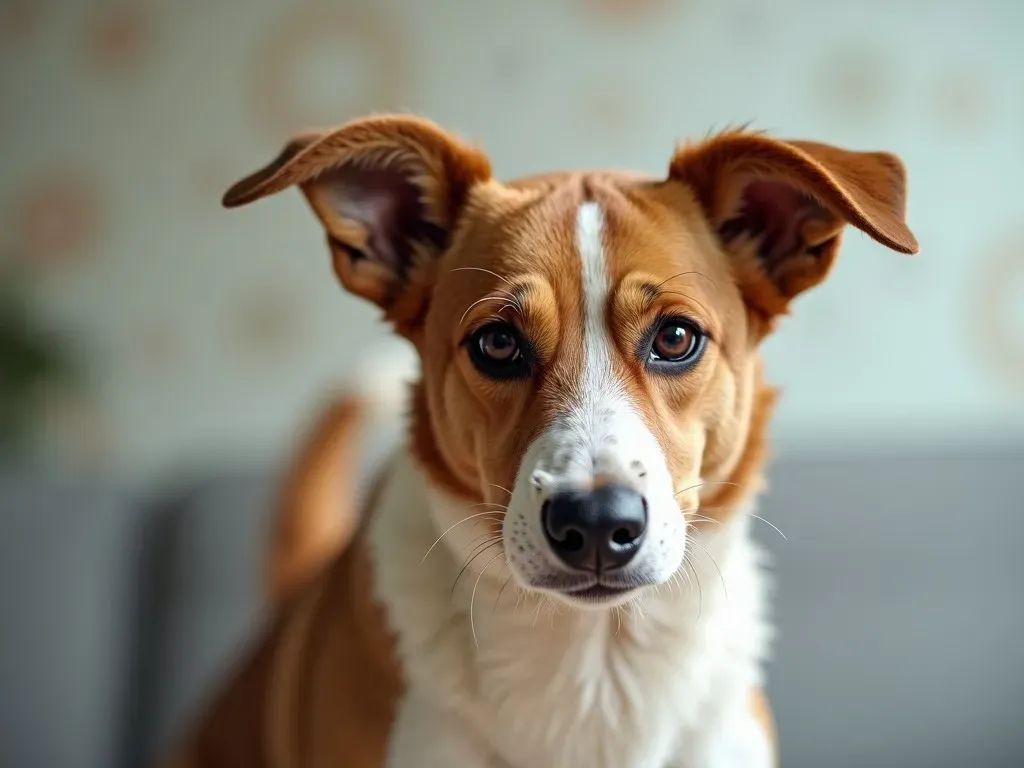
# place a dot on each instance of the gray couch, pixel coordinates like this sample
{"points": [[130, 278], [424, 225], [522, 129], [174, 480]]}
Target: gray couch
{"points": [[899, 605]]}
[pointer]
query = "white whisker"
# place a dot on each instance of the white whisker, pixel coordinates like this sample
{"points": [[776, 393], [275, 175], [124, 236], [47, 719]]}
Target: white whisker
{"points": [[477, 303], [710, 557], [472, 597], [482, 548], [707, 482], [453, 527], [502, 590], [769, 524]]}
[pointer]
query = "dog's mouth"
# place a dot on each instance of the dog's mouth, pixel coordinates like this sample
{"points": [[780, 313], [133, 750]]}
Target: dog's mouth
{"points": [[591, 591], [599, 593]]}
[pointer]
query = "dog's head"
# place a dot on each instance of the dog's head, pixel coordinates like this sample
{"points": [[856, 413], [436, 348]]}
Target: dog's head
{"points": [[588, 340]]}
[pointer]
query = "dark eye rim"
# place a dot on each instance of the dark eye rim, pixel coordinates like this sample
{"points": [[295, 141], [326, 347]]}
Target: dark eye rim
{"points": [[519, 366], [672, 367]]}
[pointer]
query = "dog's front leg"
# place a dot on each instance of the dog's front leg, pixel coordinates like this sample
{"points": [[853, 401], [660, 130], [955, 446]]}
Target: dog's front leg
{"points": [[426, 735]]}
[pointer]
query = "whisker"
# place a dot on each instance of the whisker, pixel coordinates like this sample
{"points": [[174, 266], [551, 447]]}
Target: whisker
{"points": [[683, 574], [769, 524], [677, 577], [683, 274], [501, 488], [639, 610], [674, 585], [513, 302], [700, 588], [472, 597], [483, 548], [536, 613], [477, 303], [512, 297], [690, 298], [502, 590], [453, 527], [701, 518], [477, 539], [493, 518], [707, 482], [710, 557]]}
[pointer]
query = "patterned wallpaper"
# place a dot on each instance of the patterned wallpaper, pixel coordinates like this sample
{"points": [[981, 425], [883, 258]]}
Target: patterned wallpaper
{"points": [[210, 335]]}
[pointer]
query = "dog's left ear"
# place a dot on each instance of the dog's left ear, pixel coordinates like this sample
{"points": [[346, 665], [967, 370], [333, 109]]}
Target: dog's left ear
{"points": [[388, 191], [780, 207]]}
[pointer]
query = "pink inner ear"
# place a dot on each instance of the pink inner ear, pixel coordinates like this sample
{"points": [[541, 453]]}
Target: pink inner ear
{"points": [[389, 205], [776, 212]]}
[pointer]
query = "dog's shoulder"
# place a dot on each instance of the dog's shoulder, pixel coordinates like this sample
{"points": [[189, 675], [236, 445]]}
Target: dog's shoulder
{"points": [[321, 679]]}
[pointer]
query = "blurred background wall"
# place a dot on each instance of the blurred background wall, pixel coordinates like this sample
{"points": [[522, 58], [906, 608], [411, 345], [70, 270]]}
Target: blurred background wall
{"points": [[205, 335]]}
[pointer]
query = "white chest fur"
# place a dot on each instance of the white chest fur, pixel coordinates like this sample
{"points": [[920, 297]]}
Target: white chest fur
{"points": [[652, 685]]}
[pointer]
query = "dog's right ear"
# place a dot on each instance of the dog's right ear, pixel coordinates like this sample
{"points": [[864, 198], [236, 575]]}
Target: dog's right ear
{"points": [[388, 191]]}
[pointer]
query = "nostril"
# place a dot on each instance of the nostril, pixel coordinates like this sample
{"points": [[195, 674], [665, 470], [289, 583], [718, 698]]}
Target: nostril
{"points": [[573, 541], [623, 536]]}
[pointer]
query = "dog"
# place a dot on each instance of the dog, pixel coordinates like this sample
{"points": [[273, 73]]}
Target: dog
{"points": [[557, 567]]}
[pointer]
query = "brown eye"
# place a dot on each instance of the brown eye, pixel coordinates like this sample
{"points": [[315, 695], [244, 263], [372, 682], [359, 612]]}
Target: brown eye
{"points": [[676, 341], [499, 345], [497, 351]]}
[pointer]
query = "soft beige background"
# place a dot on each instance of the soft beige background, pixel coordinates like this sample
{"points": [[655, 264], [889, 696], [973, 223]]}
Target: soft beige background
{"points": [[211, 335]]}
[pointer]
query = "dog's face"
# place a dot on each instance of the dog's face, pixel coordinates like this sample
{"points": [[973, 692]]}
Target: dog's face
{"points": [[588, 341]]}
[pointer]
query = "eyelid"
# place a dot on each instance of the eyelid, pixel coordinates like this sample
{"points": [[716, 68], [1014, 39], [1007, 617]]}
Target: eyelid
{"points": [[698, 325], [527, 347], [478, 325]]}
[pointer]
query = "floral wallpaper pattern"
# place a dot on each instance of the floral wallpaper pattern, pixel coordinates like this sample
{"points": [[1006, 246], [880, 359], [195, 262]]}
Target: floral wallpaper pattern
{"points": [[211, 335]]}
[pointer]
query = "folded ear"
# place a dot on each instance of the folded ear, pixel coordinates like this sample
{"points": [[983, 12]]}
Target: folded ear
{"points": [[781, 206], [388, 191]]}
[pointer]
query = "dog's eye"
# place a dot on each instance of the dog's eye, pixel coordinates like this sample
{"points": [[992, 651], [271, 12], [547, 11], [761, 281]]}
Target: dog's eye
{"points": [[676, 342], [497, 351]]}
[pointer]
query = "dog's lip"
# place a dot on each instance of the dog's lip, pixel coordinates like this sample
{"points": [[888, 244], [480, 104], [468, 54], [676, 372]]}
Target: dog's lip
{"points": [[598, 592], [592, 590]]}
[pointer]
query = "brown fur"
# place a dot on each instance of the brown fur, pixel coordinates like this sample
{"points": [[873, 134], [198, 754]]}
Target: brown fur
{"points": [[322, 681], [311, 527], [741, 225]]}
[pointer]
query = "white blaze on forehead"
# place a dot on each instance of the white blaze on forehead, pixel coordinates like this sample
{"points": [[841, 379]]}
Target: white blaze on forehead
{"points": [[597, 371], [584, 440]]}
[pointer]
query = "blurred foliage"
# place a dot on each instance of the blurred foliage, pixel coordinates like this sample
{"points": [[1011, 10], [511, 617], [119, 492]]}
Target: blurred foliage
{"points": [[31, 359]]}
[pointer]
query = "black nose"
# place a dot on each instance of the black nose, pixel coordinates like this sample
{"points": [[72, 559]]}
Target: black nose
{"points": [[595, 530]]}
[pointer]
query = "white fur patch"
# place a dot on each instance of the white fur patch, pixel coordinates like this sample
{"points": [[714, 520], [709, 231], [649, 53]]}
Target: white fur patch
{"points": [[597, 371]]}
